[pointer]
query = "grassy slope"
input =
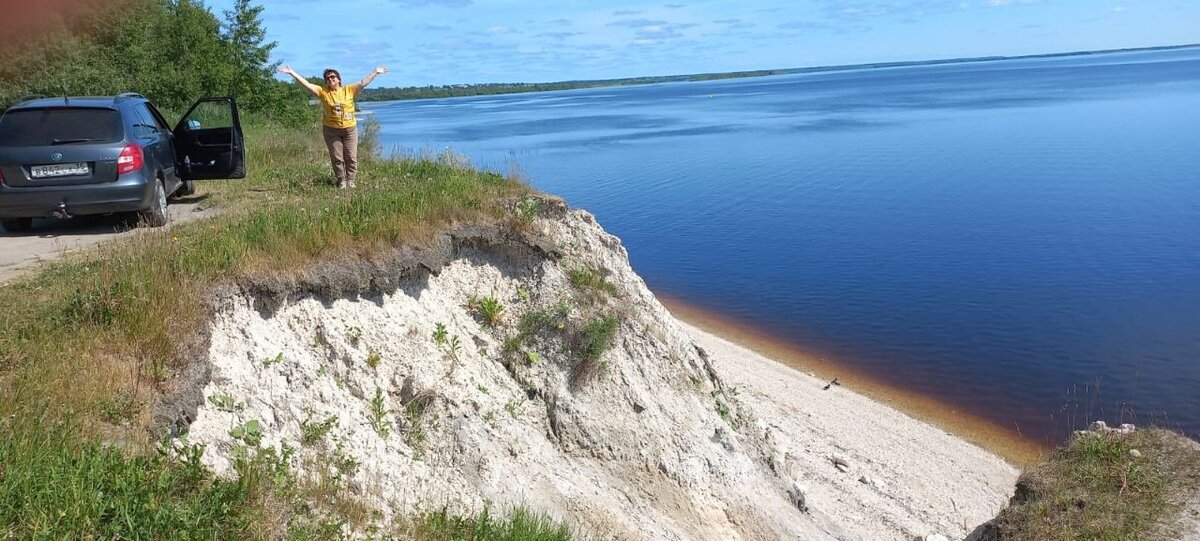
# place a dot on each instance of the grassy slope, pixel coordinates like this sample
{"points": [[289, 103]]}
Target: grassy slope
{"points": [[87, 343], [1105, 486]]}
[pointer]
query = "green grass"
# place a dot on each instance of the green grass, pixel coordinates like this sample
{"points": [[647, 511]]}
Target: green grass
{"points": [[119, 409], [1098, 489], [596, 337], [536, 322], [54, 485], [591, 282], [518, 525], [589, 344], [584, 340], [415, 434]]}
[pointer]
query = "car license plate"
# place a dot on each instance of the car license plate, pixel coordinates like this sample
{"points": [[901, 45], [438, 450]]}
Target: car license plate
{"points": [[58, 170]]}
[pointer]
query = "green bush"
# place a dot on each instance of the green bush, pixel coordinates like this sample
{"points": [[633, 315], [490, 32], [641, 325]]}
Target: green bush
{"points": [[488, 309], [589, 344], [596, 337]]}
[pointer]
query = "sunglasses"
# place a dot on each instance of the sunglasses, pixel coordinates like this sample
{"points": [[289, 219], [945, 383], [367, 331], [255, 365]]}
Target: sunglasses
{"points": [[327, 77]]}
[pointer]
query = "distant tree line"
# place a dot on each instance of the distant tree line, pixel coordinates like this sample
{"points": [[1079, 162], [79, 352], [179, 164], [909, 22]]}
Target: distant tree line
{"points": [[459, 90], [453, 91], [171, 51]]}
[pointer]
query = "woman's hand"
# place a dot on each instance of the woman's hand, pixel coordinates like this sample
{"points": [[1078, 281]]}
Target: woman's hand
{"points": [[300, 79], [371, 76]]}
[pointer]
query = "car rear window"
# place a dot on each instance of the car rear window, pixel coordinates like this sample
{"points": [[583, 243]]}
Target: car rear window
{"points": [[59, 125]]}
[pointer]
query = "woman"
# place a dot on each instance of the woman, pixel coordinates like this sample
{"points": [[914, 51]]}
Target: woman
{"points": [[337, 118]]}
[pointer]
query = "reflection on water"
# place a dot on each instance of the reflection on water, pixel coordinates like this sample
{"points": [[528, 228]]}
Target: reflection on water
{"points": [[1019, 238]]}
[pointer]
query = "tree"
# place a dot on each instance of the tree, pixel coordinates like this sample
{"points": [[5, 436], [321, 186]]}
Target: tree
{"points": [[172, 51], [195, 60], [253, 72]]}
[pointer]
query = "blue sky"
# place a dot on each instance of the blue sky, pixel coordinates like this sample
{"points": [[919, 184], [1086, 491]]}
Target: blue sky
{"points": [[476, 41]]}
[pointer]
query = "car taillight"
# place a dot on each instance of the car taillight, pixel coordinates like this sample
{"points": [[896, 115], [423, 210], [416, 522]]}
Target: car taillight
{"points": [[1, 177], [130, 160]]}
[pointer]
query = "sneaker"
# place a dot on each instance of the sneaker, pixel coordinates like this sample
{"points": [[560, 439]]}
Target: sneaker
{"points": [[341, 185]]}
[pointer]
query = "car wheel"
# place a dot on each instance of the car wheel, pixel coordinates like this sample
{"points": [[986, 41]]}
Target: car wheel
{"points": [[188, 187], [17, 225], [157, 215]]}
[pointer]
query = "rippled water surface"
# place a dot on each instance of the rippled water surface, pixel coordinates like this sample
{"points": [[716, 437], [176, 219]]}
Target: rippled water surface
{"points": [[1000, 235]]}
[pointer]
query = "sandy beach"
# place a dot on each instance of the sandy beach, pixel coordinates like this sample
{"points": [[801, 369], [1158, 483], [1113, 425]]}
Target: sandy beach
{"points": [[900, 473], [769, 351]]}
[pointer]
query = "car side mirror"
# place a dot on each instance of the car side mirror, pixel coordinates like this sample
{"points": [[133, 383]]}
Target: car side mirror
{"points": [[193, 124]]}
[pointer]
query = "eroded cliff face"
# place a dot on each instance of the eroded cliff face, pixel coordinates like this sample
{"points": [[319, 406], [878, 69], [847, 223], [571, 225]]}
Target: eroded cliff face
{"points": [[500, 366]]}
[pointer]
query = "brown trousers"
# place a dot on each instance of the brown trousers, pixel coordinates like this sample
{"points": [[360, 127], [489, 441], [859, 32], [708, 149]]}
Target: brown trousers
{"points": [[343, 153]]}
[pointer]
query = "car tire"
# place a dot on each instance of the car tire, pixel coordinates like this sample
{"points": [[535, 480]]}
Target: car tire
{"points": [[188, 187], [157, 215], [17, 225]]}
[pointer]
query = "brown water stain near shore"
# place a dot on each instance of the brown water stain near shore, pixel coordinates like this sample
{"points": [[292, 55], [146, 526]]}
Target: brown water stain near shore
{"points": [[1003, 441]]}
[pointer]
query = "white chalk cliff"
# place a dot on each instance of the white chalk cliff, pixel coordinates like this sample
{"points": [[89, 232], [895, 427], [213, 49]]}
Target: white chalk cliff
{"points": [[667, 434]]}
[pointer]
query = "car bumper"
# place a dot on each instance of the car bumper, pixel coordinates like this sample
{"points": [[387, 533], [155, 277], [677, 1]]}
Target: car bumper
{"points": [[126, 194]]}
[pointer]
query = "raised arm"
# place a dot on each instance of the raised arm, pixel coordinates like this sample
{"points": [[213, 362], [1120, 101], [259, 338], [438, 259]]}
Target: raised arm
{"points": [[300, 79], [371, 76]]}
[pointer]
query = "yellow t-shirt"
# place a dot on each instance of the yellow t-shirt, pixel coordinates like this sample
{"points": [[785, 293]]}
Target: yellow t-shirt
{"points": [[337, 106]]}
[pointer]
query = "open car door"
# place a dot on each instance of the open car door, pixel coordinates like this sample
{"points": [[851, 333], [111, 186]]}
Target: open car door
{"points": [[208, 141]]}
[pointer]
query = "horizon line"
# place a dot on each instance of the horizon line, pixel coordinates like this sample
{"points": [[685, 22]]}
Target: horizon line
{"points": [[826, 67]]}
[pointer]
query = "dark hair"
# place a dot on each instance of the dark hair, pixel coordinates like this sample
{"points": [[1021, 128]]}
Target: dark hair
{"points": [[331, 70]]}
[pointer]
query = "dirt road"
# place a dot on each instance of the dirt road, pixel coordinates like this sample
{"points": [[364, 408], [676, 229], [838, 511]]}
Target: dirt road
{"points": [[50, 239]]}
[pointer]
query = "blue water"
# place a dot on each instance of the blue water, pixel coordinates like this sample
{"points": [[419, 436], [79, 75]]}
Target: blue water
{"points": [[1019, 238]]}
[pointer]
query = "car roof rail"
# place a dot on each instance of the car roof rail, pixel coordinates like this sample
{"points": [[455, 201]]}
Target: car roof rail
{"points": [[127, 95]]}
